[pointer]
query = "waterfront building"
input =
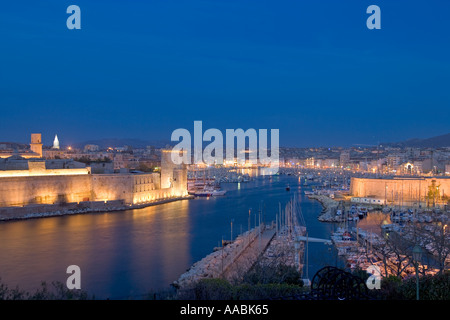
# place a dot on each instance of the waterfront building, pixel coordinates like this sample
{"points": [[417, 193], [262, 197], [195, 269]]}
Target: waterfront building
{"points": [[403, 191]]}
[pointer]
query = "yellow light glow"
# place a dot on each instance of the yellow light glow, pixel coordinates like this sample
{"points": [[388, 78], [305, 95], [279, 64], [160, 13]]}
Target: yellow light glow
{"points": [[51, 172]]}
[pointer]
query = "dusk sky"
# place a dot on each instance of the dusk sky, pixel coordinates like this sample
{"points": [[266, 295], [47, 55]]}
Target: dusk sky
{"points": [[141, 69]]}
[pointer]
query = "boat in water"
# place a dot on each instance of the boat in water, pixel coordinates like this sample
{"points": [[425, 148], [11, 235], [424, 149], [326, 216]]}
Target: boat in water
{"points": [[202, 193], [218, 192], [209, 191]]}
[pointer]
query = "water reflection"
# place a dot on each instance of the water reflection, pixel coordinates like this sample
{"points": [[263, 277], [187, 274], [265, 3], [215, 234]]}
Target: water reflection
{"points": [[373, 221]]}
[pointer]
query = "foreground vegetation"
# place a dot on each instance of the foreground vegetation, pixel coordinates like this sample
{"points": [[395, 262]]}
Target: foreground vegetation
{"points": [[435, 287], [279, 283], [56, 291]]}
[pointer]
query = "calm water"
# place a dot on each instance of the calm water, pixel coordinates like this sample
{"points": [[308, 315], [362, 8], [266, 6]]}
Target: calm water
{"points": [[129, 253]]}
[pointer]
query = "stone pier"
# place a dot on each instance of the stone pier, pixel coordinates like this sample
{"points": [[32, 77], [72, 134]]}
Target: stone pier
{"points": [[232, 261]]}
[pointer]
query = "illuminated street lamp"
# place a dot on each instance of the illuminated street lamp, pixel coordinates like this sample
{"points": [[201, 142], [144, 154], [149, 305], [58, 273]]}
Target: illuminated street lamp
{"points": [[417, 255]]}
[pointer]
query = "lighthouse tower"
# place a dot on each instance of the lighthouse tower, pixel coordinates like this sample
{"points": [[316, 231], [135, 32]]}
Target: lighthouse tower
{"points": [[56, 142]]}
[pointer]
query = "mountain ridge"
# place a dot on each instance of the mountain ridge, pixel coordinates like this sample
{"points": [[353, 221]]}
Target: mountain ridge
{"points": [[440, 141]]}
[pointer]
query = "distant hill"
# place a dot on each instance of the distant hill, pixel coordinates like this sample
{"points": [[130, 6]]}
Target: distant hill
{"points": [[433, 142], [117, 142]]}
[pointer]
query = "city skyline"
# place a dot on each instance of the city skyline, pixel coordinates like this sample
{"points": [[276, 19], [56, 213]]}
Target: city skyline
{"points": [[313, 71], [48, 141]]}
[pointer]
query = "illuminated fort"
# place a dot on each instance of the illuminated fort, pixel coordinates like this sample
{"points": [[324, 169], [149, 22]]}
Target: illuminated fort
{"points": [[424, 191], [26, 178]]}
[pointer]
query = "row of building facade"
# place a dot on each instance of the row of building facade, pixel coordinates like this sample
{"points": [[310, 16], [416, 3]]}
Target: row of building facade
{"points": [[389, 161]]}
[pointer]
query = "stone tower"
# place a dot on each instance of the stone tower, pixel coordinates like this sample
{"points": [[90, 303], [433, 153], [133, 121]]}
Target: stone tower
{"points": [[173, 175], [36, 143]]}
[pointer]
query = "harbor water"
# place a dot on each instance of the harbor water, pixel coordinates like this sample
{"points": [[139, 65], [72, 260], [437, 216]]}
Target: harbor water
{"points": [[127, 254]]}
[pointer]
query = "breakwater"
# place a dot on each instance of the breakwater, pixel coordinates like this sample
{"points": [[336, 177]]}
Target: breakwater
{"points": [[231, 261], [330, 207]]}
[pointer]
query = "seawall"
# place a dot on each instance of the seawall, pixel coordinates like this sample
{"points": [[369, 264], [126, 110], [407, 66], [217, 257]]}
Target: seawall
{"points": [[230, 262], [51, 210]]}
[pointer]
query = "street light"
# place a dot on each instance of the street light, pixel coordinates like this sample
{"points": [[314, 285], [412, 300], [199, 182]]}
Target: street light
{"points": [[417, 255]]}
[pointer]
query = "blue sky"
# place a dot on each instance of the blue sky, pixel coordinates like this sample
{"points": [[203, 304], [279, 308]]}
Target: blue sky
{"points": [[141, 69]]}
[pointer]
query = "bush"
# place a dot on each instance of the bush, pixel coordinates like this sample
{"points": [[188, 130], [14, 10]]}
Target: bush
{"points": [[220, 289], [274, 274], [266, 291], [58, 291], [212, 289], [435, 287]]}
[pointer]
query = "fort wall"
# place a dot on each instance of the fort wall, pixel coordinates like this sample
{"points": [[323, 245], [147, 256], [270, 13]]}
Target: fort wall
{"points": [[53, 189], [50, 189], [39, 184], [400, 191]]}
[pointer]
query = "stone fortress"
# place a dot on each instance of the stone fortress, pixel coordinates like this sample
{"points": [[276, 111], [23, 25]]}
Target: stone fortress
{"points": [[26, 179], [403, 191]]}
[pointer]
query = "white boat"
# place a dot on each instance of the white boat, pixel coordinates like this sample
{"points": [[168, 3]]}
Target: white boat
{"points": [[219, 192]]}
